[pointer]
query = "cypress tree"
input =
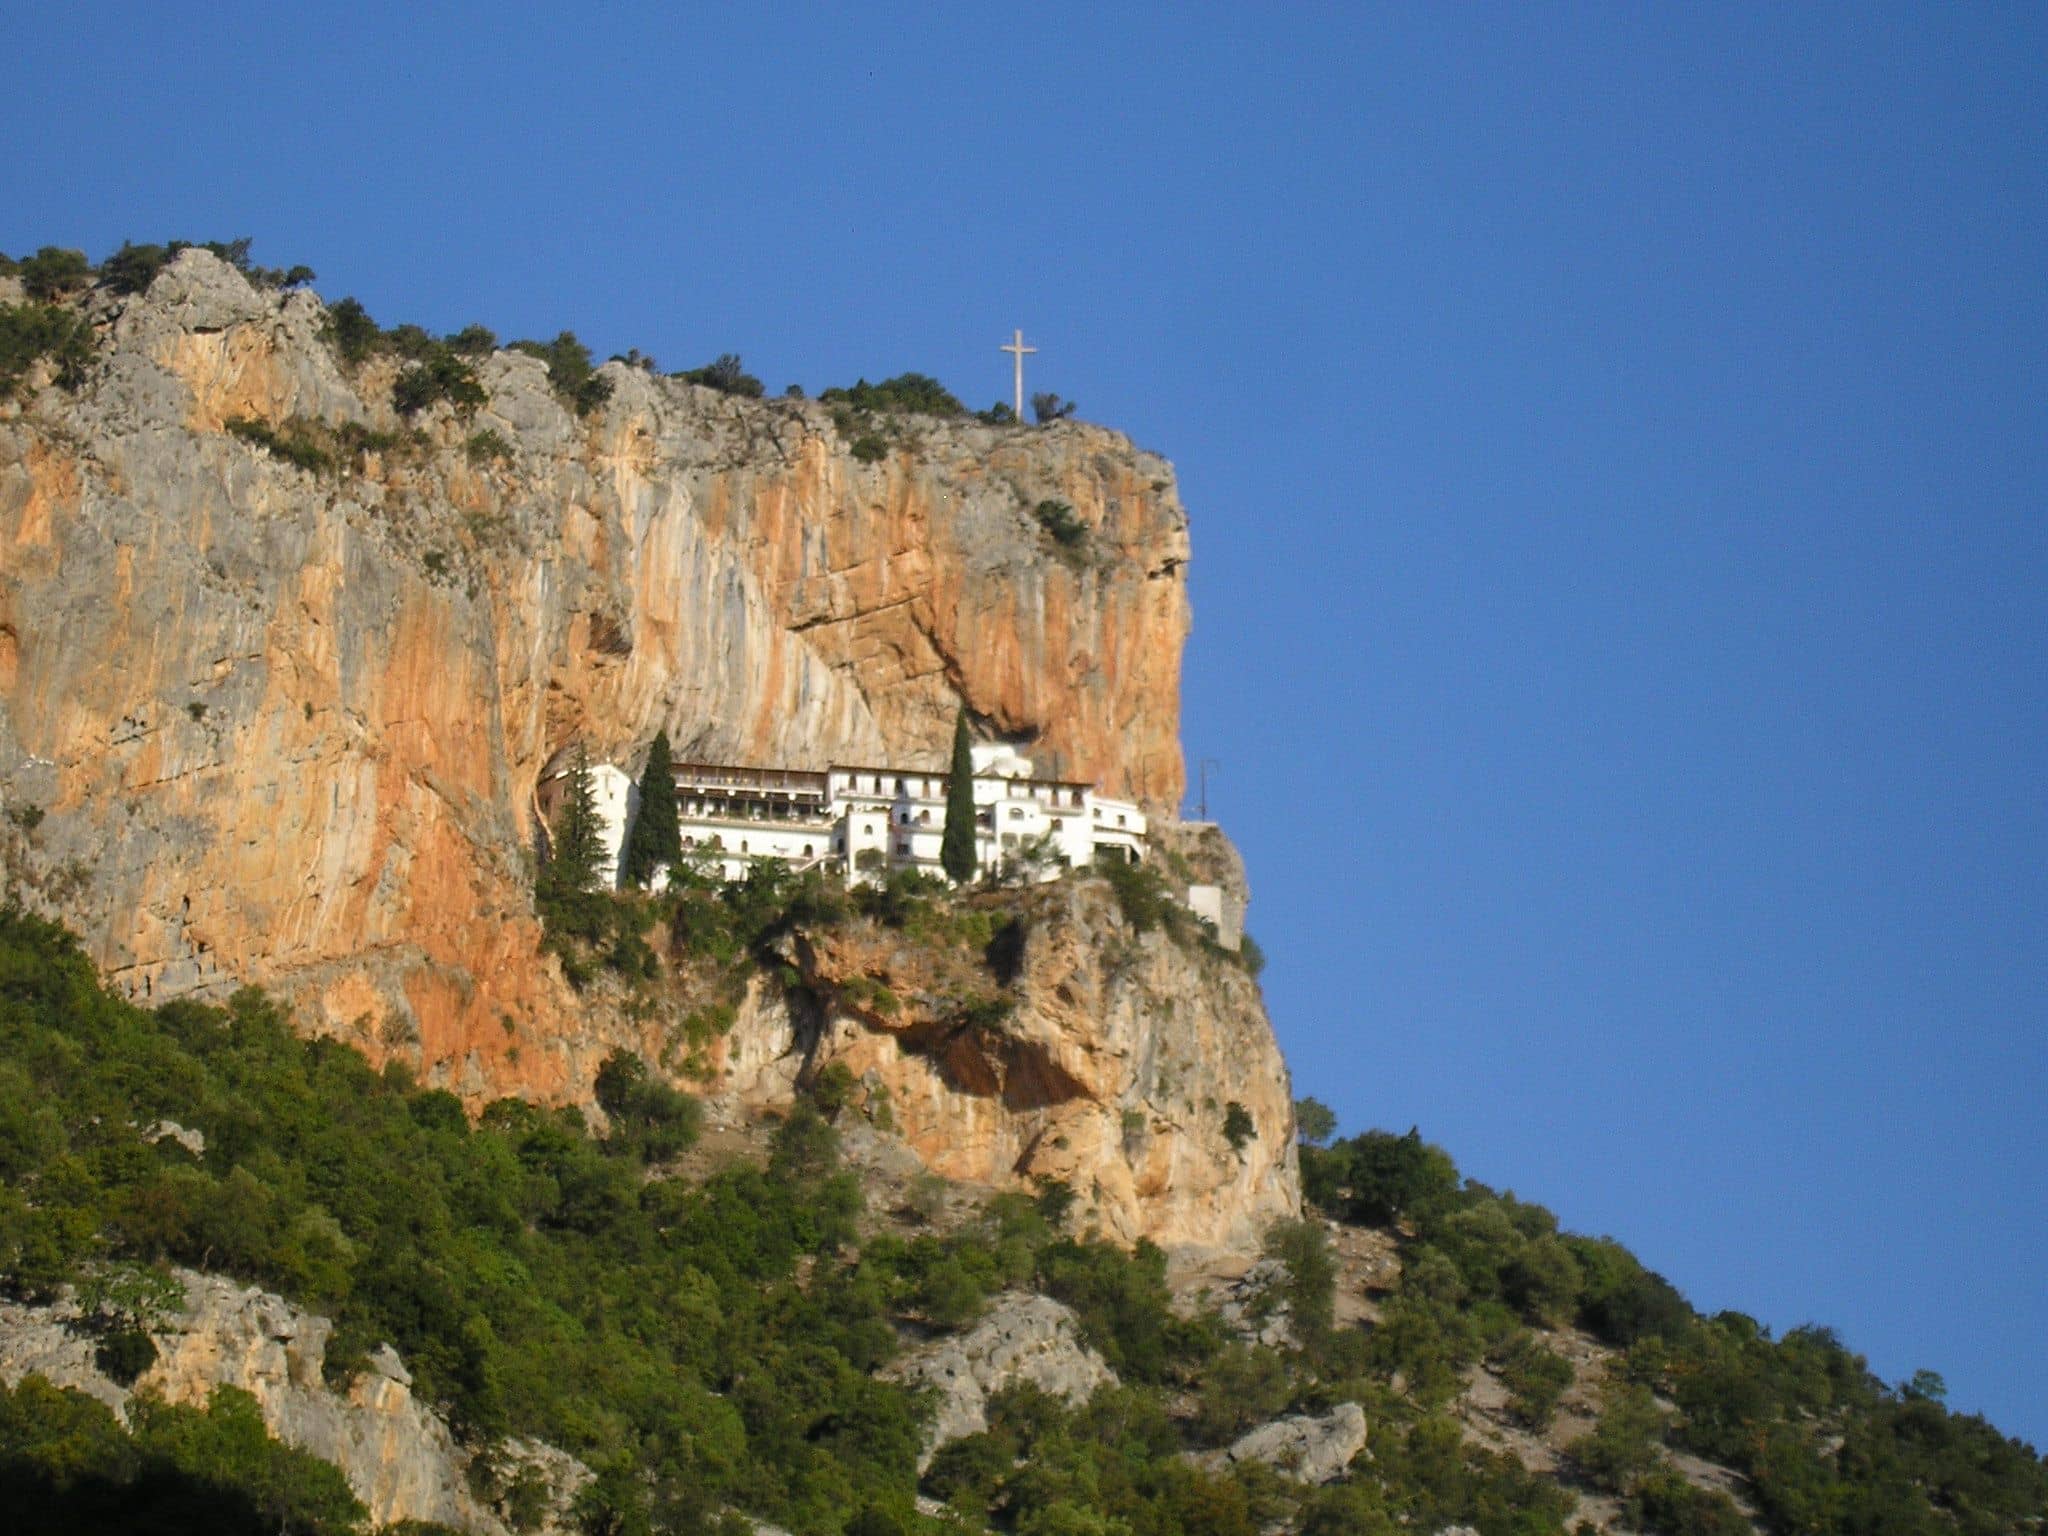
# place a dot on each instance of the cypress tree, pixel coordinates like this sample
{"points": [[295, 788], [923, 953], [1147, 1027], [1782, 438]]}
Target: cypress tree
{"points": [[577, 844], [956, 846], [655, 839]]}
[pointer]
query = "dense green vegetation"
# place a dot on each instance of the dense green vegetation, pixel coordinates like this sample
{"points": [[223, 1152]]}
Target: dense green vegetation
{"points": [[913, 394], [709, 1343], [704, 1344], [873, 418], [31, 332], [1825, 1445], [68, 1465]]}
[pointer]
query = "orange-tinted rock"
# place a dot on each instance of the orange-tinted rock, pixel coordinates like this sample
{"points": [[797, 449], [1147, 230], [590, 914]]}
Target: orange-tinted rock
{"points": [[285, 727]]}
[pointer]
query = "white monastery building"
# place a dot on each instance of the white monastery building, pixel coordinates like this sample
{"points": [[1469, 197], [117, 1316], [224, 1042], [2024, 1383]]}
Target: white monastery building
{"points": [[866, 822]]}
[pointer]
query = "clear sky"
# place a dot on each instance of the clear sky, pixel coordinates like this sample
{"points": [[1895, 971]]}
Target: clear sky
{"points": [[1616, 447]]}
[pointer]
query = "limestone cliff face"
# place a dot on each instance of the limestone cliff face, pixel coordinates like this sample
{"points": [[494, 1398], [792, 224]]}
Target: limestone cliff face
{"points": [[284, 727], [1088, 1052]]}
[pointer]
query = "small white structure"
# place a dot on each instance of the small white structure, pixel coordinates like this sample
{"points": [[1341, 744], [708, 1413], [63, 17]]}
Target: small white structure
{"points": [[618, 801], [1223, 913], [867, 821]]}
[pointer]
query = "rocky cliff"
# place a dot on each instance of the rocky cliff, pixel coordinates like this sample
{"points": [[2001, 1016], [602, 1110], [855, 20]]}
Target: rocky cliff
{"points": [[397, 1453], [1076, 1047], [277, 716]]}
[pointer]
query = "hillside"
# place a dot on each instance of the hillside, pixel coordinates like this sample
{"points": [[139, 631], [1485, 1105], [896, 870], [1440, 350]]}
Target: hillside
{"points": [[361, 1167], [641, 1332]]}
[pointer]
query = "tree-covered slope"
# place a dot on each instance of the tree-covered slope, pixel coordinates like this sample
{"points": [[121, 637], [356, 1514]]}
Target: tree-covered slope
{"points": [[709, 1344]]}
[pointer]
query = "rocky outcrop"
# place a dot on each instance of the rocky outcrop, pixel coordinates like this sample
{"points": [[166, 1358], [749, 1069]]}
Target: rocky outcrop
{"points": [[1308, 1448], [269, 723], [1021, 1338], [1076, 1048], [397, 1454]]}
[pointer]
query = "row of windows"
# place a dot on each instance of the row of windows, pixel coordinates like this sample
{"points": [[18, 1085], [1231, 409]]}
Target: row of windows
{"points": [[935, 789], [714, 841]]}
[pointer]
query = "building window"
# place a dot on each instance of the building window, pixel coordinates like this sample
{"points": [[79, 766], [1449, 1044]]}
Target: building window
{"points": [[900, 788], [903, 850], [1058, 824], [807, 850]]}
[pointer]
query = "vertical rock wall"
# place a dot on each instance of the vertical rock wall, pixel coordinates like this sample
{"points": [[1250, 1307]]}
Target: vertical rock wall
{"points": [[270, 725]]}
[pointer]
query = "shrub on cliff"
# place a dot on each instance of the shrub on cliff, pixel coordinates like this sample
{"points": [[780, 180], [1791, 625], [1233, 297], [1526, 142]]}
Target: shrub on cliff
{"points": [[54, 272], [570, 371], [916, 394], [291, 442], [134, 267], [646, 1114], [1058, 520], [1048, 408], [30, 333], [726, 375], [440, 375], [350, 330]]}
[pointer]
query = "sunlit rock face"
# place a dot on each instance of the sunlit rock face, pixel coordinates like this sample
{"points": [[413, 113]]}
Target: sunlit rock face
{"points": [[397, 1453], [1109, 1062], [285, 727], [268, 723]]}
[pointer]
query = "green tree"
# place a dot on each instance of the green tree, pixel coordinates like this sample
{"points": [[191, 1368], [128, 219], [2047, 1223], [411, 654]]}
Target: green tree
{"points": [[440, 375], [576, 842], [725, 374], [956, 845], [1314, 1122], [30, 332], [655, 839], [350, 330], [134, 267], [570, 371], [53, 272], [1624, 1443]]}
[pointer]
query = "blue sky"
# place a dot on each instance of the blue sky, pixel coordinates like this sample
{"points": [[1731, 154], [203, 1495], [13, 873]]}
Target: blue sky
{"points": [[1616, 450]]}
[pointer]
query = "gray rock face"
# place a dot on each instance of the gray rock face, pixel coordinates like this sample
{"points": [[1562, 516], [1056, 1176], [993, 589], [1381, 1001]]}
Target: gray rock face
{"points": [[396, 1452], [1248, 1305], [1023, 1338], [1308, 1448]]}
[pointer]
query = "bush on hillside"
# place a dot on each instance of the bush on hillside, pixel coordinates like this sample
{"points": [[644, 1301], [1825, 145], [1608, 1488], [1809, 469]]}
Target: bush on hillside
{"points": [[917, 394], [31, 333], [726, 375], [570, 371], [54, 272]]}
